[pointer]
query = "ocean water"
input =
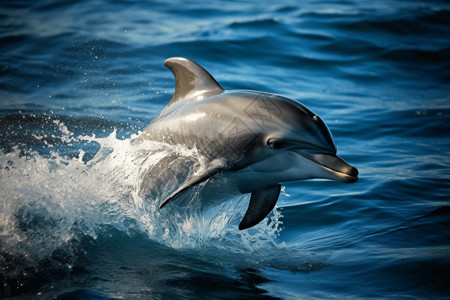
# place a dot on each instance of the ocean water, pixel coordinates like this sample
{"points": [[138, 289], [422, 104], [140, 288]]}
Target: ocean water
{"points": [[80, 79]]}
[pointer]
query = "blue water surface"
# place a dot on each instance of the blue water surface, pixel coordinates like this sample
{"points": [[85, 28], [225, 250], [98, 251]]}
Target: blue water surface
{"points": [[79, 79]]}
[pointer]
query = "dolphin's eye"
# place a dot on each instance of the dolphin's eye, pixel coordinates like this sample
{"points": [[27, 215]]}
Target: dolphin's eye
{"points": [[274, 144]]}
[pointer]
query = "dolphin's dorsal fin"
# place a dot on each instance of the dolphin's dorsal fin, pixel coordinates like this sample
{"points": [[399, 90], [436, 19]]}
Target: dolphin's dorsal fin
{"points": [[192, 82], [261, 204]]}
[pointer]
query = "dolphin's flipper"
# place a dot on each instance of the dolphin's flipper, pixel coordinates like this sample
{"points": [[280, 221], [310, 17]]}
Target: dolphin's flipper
{"points": [[192, 82], [214, 168], [261, 204]]}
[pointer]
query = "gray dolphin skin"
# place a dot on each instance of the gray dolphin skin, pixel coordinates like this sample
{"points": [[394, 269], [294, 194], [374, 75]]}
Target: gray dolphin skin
{"points": [[257, 140]]}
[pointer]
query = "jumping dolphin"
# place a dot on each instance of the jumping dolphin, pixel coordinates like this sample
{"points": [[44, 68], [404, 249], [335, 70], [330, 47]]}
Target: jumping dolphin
{"points": [[258, 139]]}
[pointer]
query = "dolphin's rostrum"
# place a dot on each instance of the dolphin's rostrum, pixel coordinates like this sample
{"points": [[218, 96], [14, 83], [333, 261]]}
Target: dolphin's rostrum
{"points": [[257, 139]]}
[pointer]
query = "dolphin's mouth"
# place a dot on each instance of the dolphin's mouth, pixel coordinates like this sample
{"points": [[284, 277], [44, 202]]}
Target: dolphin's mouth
{"points": [[338, 168]]}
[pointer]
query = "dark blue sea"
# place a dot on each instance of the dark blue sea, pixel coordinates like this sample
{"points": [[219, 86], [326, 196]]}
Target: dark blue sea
{"points": [[80, 79]]}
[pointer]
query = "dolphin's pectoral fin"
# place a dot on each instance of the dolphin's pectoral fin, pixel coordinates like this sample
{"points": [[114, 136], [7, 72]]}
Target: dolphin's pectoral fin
{"points": [[204, 175], [261, 204]]}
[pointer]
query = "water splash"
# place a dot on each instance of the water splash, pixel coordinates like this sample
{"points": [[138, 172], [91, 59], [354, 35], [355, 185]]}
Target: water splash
{"points": [[50, 203]]}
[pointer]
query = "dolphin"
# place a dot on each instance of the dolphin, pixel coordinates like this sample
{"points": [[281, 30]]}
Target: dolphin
{"points": [[258, 140]]}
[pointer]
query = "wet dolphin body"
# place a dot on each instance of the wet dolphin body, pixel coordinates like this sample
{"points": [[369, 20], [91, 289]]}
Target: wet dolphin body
{"points": [[257, 139]]}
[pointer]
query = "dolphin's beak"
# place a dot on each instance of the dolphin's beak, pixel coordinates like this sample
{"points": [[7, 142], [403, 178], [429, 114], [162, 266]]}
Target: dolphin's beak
{"points": [[335, 166]]}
